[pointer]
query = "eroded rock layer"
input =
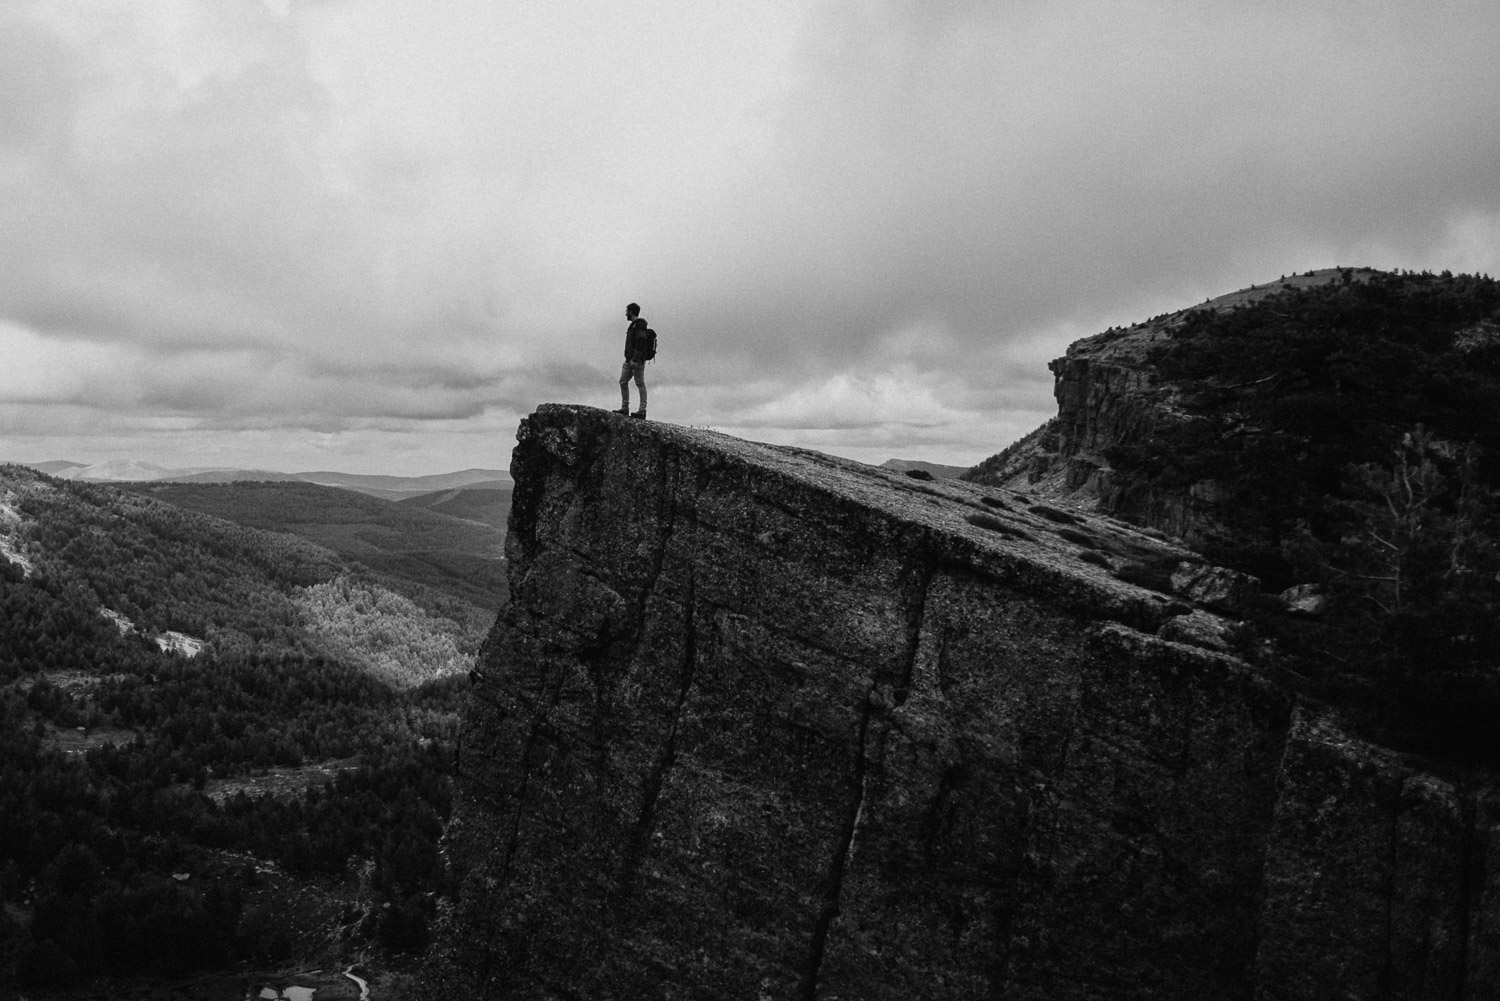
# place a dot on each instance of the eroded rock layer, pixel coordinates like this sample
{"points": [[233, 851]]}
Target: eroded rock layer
{"points": [[762, 723]]}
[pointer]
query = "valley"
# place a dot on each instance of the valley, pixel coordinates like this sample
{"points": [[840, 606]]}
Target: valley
{"points": [[227, 729], [411, 541]]}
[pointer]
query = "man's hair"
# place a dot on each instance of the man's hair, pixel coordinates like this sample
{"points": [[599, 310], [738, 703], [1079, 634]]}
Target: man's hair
{"points": [[633, 309]]}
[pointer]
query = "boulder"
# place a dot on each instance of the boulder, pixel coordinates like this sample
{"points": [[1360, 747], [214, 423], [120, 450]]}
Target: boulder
{"points": [[1217, 588], [1305, 599]]}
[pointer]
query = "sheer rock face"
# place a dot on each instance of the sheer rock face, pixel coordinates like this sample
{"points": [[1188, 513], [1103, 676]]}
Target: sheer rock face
{"points": [[762, 723], [1109, 396]]}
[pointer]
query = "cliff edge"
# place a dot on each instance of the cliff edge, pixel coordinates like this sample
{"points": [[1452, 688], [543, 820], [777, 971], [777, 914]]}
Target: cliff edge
{"points": [[763, 723]]}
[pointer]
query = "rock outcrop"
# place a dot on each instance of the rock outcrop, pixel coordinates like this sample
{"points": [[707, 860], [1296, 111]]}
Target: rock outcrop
{"points": [[762, 723], [1109, 396]]}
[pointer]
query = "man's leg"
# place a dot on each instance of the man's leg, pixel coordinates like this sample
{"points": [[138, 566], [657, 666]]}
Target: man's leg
{"points": [[640, 384], [625, 388]]}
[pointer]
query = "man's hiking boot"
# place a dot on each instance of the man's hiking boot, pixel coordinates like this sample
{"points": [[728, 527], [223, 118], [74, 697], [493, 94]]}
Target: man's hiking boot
{"points": [[623, 411], [640, 414]]}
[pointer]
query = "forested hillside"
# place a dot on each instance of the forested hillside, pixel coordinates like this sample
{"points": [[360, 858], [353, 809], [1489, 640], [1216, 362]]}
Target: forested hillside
{"points": [[152, 661], [490, 505], [1344, 438], [409, 542]]}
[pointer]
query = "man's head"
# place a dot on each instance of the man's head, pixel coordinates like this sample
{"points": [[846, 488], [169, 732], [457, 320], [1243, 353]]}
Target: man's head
{"points": [[632, 311]]}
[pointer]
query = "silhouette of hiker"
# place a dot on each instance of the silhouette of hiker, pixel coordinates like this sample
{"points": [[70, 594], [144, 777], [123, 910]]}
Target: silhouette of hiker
{"points": [[635, 362]]}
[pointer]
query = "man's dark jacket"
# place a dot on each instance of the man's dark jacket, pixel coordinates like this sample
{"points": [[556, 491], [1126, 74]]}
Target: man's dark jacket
{"points": [[635, 340]]}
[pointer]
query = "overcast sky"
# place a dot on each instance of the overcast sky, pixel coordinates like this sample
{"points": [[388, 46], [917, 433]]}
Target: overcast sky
{"points": [[370, 235]]}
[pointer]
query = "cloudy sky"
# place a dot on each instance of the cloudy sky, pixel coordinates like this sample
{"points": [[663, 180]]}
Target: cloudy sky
{"points": [[370, 235]]}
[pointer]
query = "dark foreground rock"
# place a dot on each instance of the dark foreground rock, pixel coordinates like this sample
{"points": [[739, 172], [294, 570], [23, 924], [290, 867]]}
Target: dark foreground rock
{"points": [[762, 723]]}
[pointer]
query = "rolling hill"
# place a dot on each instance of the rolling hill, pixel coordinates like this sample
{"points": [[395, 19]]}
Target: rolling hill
{"points": [[461, 557], [488, 505], [57, 467]]}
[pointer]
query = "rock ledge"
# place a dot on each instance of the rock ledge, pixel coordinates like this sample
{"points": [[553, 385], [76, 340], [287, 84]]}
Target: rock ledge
{"points": [[763, 723]]}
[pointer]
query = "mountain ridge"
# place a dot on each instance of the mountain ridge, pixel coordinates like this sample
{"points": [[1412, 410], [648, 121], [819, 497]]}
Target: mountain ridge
{"points": [[377, 485]]}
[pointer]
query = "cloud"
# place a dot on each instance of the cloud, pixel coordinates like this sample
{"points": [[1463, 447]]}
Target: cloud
{"points": [[867, 226], [990, 169]]}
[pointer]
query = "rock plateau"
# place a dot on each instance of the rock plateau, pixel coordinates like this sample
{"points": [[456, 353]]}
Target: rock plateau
{"points": [[763, 723]]}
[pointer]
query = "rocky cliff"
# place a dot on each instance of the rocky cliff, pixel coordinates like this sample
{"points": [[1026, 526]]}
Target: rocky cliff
{"points": [[763, 723], [1110, 396]]}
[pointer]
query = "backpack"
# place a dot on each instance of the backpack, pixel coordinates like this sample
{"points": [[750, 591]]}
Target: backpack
{"points": [[647, 344]]}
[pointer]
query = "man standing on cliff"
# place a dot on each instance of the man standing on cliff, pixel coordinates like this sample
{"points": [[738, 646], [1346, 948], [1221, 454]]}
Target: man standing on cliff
{"points": [[635, 362]]}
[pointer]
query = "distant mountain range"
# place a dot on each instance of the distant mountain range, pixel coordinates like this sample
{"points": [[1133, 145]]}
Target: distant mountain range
{"points": [[387, 487]]}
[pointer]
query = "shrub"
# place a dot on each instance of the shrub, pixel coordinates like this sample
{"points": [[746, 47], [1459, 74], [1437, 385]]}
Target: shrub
{"points": [[1053, 514], [1081, 538], [993, 524]]}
